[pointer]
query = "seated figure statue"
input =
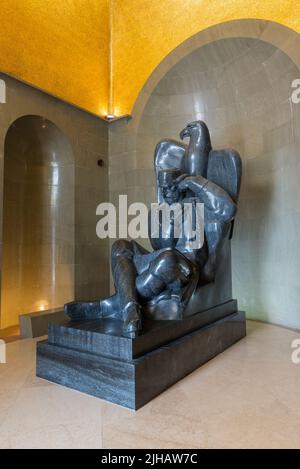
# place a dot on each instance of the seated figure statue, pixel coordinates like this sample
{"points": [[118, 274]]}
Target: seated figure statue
{"points": [[162, 283]]}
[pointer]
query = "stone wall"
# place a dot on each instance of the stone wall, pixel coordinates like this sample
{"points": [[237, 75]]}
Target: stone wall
{"points": [[241, 87], [78, 259]]}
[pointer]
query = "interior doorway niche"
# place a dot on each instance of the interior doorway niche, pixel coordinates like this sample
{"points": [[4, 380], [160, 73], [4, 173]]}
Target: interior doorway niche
{"points": [[241, 87], [38, 219]]}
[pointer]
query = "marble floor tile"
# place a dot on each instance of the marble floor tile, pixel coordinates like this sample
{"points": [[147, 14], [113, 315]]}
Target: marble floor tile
{"points": [[247, 397]]}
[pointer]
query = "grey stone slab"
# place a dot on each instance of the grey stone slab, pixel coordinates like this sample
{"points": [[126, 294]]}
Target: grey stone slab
{"points": [[133, 383], [36, 324]]}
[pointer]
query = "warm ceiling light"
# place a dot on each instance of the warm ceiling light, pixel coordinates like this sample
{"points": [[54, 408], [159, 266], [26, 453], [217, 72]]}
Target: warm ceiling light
{"points": [[110, 116], [41, 305]]}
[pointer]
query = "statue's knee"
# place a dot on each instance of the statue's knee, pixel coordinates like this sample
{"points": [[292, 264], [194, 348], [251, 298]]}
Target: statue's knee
{"points": [[171, 265], [121, 247], [165, 264], [149, 286], [161, 262]]}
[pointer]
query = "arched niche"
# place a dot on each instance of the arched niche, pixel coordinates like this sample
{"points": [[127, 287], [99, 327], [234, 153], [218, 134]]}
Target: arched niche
{"points": [[237, 77], [38, 219], [281, 37]]}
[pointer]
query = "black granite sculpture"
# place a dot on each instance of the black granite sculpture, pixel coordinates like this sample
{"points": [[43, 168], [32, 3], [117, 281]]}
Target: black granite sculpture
{"points": [[173, 308], [166, 283]]}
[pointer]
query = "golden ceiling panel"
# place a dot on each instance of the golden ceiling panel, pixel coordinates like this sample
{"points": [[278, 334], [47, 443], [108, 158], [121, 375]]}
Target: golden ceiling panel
{"points": [[97, 54], [60, 46]]}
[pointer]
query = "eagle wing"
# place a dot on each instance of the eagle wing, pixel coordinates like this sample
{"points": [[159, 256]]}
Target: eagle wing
{"points": [[225, 169]]}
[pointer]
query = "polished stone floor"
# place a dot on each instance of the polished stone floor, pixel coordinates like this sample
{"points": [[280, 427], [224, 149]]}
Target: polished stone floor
{"points": [[248, 397]]}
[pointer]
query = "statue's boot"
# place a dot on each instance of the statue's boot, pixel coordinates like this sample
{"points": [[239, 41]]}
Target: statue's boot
{"points": [[107, 308], [132, 318], [89, 310]]}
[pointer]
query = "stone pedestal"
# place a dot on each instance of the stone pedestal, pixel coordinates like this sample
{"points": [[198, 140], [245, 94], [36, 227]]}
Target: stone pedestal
{"points": [[96, 358]]}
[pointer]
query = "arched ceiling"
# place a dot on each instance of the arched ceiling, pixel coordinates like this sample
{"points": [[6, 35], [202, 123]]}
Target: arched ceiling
{"points": [[98, 54]]}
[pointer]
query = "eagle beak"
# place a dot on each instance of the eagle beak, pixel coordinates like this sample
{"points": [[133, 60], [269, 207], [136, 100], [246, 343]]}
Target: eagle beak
{"points": [[184, 133]]}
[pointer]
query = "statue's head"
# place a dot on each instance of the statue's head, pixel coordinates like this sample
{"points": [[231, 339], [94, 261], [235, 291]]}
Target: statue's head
{"points": [[197, 130], [167, 184]]}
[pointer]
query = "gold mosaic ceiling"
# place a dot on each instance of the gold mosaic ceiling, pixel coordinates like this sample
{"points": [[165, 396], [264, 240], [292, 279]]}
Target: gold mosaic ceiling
{"points": [[97, 54]]}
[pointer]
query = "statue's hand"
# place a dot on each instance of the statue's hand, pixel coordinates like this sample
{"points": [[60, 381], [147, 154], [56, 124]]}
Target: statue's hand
{"points": [[193, 183], [180, 178], [184, 182], [180, 182]]}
